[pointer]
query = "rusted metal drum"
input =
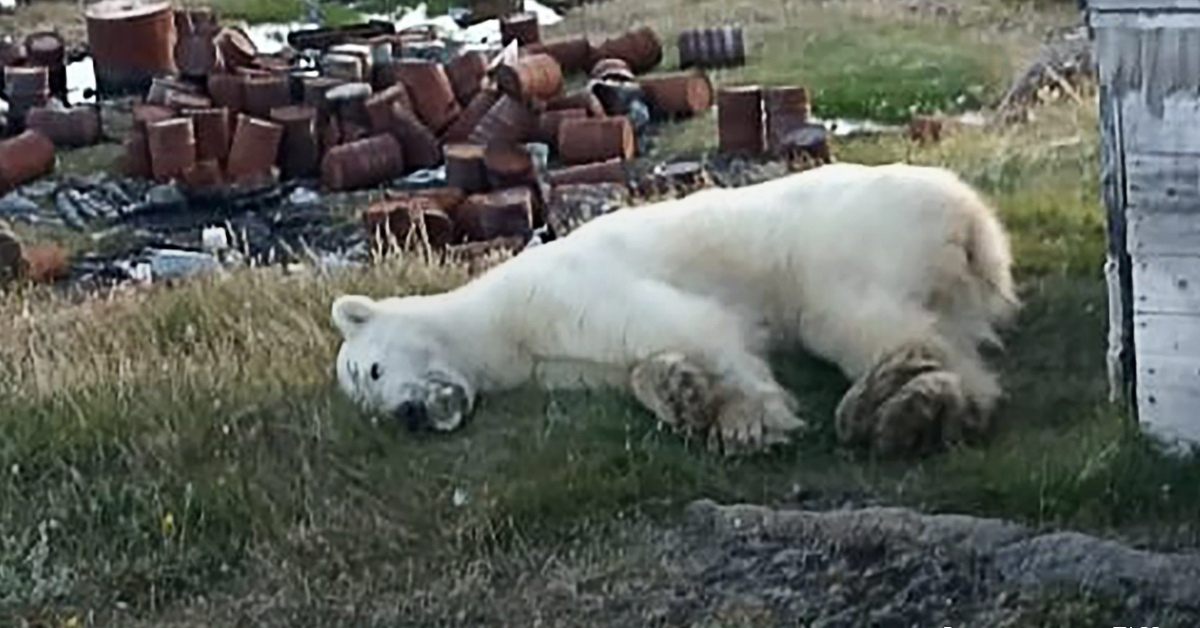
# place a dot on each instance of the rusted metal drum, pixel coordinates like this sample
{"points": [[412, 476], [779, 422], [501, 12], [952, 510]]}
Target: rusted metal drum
{"points": [[498, 214], [612, 69], [430, 90], [261, 94], [531, 77], [465, 168], [379, 105], [27, 88], [466, 73], [509, 165], [195, 55], [67, 128], [236, 48], [227, 90], [300, 149], [172, 147], [574, 54], [161, 88], [711, 48], [411, 220], [135, 162], [363, 163], [212, 129], [640, 48], [419, 145], [255, 148], [47, 49], [24, 158], [739, 119], [349, 103], [608, 171], [506, 121], [581, 99], [522, 27], [786, 109], [315, 89], [588, 140], [144, 115], [549, 122], [466, 121], [178, 101], [131, 41], [678, 93]]}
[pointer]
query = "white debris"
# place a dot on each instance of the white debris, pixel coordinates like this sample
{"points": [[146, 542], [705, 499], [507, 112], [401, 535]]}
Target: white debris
{"points": [[214, 239], [8, 6], [81, 79]]}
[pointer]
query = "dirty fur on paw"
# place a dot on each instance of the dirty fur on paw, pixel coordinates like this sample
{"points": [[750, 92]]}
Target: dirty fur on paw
{"points": [[751, 423], [907, 405], [680, 393]]}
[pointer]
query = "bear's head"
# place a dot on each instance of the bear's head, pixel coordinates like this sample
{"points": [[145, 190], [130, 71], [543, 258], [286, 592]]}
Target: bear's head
{"points": [[394, 361]]}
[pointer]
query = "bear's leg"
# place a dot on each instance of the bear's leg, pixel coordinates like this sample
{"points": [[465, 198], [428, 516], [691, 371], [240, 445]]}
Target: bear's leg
{"points": [[913, 390], [733, 399]]}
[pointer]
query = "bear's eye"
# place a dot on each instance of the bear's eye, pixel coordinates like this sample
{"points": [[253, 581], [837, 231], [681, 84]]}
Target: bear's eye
{"points": [[376, 371]]}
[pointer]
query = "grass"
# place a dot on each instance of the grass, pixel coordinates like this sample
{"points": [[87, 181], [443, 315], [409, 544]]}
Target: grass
{"points": [[186, 442]]}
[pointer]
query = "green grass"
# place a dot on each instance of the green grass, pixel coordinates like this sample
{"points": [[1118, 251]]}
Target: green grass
{"points": [[265, 11]]}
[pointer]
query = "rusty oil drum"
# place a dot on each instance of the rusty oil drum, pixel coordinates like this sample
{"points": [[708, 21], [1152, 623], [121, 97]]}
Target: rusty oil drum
{"points": [[24, 158], [608, 171], [47, 49], [255, 148], [574, 54], [522, 27], [711, 48], [739, 120], [640, 48], [466, 73], [432, 95], [678, 93], [532, 77], [548, 123], [27, 88], [786, 109], [506, 121], [588, 140], [299, 150], [212, 129], [261, 94], [362, 163], [465, 168], [172, 147], [466, 121], [67, 128], [131, 42]]}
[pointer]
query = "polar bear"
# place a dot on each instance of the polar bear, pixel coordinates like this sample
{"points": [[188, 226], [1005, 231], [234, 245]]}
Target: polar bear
{"points": [[897, 274]]}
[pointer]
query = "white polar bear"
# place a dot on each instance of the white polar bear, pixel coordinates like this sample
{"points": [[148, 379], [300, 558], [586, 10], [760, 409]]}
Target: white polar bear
{"points": [[897, 274]]}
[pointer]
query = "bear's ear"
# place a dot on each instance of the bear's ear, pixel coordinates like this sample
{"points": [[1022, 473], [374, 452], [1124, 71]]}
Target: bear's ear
{"points": [[351, 312]]}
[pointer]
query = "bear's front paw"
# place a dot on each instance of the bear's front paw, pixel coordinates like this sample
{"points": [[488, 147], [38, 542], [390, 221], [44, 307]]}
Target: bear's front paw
{"points": [[906, 405], [751, 423], [679, 392]]}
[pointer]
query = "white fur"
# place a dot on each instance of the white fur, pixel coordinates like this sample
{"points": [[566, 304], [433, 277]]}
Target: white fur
{"points": [[849, 260]]}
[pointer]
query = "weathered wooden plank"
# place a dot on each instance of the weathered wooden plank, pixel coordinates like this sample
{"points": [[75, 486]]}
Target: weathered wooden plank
{"points": [[1169, 397], [1104, 6], [1163, 122], [1163, 233], [1138, 20], [1165, 284], [1162, 183], [1117, 271], [1169, 335]]}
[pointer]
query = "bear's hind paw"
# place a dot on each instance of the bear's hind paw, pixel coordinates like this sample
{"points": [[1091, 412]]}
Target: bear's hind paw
{"points": [[679, 392]]}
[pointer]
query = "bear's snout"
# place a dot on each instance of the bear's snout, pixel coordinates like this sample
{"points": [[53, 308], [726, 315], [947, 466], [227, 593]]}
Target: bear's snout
{"points": [[413, 415]]}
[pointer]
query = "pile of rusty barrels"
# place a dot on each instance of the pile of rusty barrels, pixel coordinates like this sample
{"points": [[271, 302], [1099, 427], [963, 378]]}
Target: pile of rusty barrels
{"points": [[34, 81], [494, 190]]}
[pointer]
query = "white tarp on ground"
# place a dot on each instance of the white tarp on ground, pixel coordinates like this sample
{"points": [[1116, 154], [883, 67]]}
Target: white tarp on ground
{"points": [[271, 38]]}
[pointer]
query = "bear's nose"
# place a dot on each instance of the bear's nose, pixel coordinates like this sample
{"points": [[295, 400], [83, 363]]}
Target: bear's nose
{"points": [[413, 414]]}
